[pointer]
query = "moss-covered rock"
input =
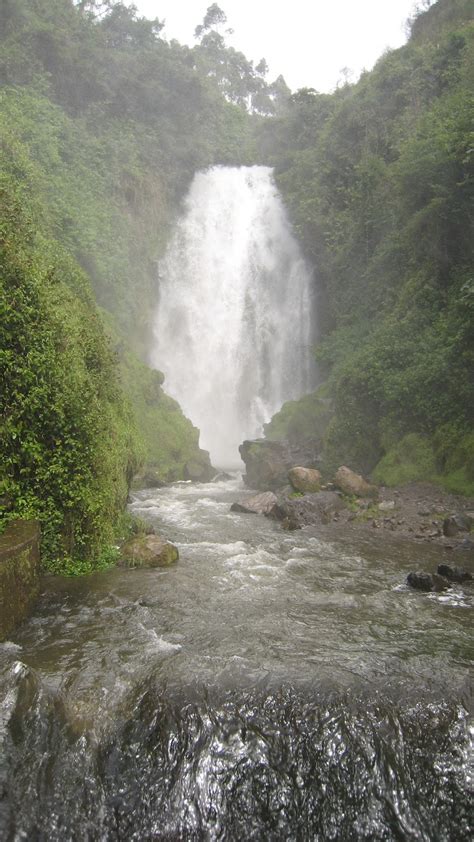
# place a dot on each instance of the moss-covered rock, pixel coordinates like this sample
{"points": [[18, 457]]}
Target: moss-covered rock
{"points": [[148, 551], [306, 480], [199, 469], [267, 464], [19, 573], [353, 484]]}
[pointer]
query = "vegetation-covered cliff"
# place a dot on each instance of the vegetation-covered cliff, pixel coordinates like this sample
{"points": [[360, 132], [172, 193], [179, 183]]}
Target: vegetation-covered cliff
{"points": [[379, 181], [103, 124]]}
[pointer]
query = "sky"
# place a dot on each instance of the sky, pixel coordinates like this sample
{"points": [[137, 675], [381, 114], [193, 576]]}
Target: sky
{"points": [[309, 42]]}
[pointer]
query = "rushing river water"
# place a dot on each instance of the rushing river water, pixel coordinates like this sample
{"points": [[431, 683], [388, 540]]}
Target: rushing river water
{"points": [[270, 686]]}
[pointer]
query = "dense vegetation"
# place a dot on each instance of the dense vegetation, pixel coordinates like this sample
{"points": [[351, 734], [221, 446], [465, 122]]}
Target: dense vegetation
{"points": [[103, 125], [378, 178], [68, 436]]}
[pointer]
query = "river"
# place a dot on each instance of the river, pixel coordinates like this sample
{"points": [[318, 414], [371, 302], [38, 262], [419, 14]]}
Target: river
{"points": [[270, 686]]}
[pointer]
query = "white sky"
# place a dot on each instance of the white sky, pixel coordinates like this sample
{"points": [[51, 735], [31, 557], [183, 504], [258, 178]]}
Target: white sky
{"points": [[308, 41]]}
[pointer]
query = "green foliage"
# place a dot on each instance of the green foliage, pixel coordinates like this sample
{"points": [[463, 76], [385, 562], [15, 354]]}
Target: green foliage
{"points": [[411, 459], [69, 566], [379, 182], [454, 451], [115, 121], [306, 418], [103, 125], [169, 438], [67, 434]]}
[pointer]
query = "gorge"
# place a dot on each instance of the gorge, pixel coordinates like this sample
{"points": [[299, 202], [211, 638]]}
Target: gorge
{"points": [[187, 249]]}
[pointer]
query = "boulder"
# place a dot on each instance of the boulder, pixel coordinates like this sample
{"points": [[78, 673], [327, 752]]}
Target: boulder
{"points": [[199, 468], [454, 574], [307, 480], [261, 504], [317, 508], [457, 523], [223, 476], [148, 551], [148, 478], [352, 483], [267, 462], [387, 505], [427, 581]]}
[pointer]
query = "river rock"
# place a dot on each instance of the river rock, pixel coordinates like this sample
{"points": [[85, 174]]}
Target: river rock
{"points": [[387, 505], [320, 507], [148, 551], [454, 574], [223, 476], [267, 462], [352, 483], [457, 523], [199, 468], [148, 478], [307, 480], [427, 581], [261, 504]]}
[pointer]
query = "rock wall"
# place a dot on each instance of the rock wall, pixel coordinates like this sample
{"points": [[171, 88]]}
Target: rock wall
{"points": [[19, 572]]}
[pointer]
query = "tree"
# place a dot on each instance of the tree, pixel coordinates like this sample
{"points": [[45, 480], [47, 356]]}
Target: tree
{"points": [[214, 17]]}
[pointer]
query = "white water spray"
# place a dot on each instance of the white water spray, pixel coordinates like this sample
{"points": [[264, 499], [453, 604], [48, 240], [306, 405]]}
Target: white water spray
{"points": [[233, 325]]}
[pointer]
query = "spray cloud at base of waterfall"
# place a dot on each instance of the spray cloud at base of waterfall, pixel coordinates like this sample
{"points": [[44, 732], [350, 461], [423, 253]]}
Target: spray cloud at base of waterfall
{"points": [[233, 324]]}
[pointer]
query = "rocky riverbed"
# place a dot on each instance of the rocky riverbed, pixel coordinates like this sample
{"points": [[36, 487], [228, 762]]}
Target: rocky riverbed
{"points": [[417, 512]]}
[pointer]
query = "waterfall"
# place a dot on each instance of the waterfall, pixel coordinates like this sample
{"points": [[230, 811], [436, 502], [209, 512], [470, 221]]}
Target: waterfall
{"points": [[233, 323]]}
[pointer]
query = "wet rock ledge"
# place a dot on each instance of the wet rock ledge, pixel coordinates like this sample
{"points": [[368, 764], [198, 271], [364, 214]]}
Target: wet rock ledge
{"points": [[19, 572]]}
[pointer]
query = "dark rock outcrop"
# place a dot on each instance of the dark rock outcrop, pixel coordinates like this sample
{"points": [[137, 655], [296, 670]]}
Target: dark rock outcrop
{"points": [[199, 469], [223, 476], [317, 508], [457, 523], [261, 504], [267, 462], [454, 574], [427, 581], [149, 478]]}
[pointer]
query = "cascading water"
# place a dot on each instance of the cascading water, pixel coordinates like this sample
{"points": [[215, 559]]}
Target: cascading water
{"points": [[233, 327]]}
